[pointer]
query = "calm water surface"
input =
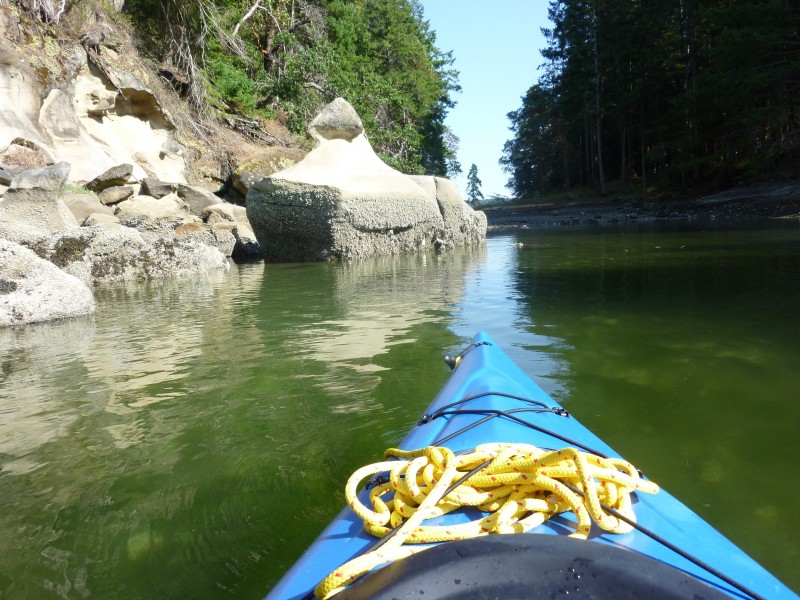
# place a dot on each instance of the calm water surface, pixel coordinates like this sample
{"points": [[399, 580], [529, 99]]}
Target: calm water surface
{"points": [[190, 439]]}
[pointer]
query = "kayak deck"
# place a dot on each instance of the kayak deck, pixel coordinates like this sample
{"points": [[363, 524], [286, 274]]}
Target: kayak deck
{"points": [[488, 398]]}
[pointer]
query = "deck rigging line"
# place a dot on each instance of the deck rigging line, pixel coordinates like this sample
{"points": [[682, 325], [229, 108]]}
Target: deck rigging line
{"points": [[511, 414]]}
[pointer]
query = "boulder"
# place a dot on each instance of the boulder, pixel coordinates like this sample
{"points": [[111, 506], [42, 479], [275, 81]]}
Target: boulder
{"points": [[243, 180], [113, 254], [262, 164], [196, 198], [246, 248], [45, 179], [227, 212], [99, 219], [83, 205], [168, 207], [34, 200], [34, 290], [341, 202], [157, 188], [115, 194], [234, 218], [115, 176], [219, 236], [153, 229], [337, 121], [212, 218]]}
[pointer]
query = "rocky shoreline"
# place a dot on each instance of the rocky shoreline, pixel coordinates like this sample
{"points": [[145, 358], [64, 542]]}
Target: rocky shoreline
{"points": [[55, 247], [761, 201], [338, 203]]}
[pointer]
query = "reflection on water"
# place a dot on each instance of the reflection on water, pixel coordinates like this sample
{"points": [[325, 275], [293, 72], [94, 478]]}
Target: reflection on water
{"points": [[379, 300], [171, 444], [191, 438]]}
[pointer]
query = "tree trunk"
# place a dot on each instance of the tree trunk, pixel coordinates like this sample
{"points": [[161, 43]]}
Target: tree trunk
{"points": [[643, 150], [597, 104]]}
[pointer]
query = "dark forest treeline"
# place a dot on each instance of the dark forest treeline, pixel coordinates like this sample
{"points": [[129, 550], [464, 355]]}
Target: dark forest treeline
{"points": [[286, 58], [671, 94]]}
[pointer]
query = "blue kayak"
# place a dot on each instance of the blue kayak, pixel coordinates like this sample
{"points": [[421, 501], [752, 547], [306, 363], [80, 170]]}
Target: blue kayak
{"points": [[670, 552]]}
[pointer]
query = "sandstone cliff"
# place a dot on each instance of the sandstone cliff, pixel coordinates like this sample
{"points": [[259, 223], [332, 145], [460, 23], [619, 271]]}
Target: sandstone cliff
{"points": [[81, 93]]}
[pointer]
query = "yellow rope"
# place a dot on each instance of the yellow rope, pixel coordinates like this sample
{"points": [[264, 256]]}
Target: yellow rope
{"points": [[520, 488]]}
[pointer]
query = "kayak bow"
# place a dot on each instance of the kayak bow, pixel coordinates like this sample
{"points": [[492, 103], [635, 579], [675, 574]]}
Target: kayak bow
{"points": [[661, 549]]}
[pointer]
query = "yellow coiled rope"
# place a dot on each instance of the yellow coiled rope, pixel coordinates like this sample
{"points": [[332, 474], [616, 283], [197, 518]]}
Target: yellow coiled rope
{"points": [[521, 487]]}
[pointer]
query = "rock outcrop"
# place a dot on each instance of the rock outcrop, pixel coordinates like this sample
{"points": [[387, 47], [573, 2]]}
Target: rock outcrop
{"points": [[34, 290], [93, 114], [114, 254], [84, 138], [341, 202]]}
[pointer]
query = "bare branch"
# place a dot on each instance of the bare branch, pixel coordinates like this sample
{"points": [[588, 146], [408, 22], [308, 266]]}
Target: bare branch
{"points": [[316, 86], [246, 16]]}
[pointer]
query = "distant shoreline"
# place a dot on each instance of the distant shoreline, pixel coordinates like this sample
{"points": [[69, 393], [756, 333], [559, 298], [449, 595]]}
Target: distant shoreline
{"points": [[777, 200]]}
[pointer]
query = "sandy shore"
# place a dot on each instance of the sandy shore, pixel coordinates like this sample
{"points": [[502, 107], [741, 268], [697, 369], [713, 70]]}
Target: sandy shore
{"points": [[771, 200]]}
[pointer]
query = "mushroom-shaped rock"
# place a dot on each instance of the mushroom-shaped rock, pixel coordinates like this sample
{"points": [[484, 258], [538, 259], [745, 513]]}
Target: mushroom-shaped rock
{"points": [[338, 120], [342, 201]]}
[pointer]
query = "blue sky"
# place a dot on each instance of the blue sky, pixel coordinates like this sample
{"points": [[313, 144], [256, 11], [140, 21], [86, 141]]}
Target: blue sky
{"points": [[496, 48]]}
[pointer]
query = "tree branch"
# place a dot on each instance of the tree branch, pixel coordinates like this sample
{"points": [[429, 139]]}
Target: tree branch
{"points": [[246, 16]]}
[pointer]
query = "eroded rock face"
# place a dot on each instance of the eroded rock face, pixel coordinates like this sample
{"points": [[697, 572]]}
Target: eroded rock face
{"points": [[33, 290], [113, 121], [341, 202], [93, 114]]}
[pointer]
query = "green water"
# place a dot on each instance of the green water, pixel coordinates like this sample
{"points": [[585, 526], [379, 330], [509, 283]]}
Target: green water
{"points": [[190, 439]]}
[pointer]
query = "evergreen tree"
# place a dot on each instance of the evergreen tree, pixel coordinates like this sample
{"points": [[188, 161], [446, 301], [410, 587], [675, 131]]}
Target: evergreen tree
{"points": [[714, 99], [474, 193]]}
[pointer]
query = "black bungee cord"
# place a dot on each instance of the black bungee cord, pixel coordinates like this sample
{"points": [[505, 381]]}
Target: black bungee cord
{"points": [[509, 414]]}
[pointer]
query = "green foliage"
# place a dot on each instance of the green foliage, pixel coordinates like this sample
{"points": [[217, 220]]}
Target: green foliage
{"points": [[670, 94], [291, 57], [387, 65], [231, 84], [74, 188]]}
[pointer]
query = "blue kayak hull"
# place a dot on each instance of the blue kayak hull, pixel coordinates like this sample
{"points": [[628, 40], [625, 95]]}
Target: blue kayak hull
{"points": [[484, 369]]}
